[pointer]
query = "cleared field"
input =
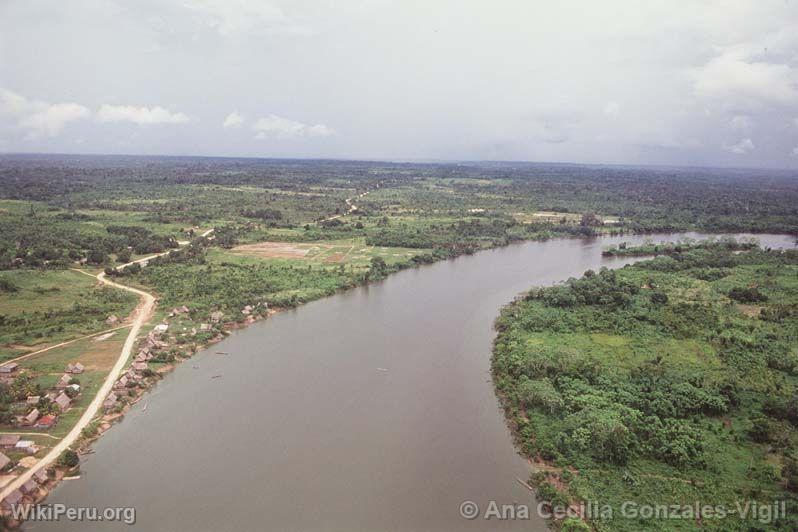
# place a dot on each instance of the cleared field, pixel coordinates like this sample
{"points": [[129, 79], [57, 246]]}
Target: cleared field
{"points": [[42, 290], [45, 307], [349, 251]]}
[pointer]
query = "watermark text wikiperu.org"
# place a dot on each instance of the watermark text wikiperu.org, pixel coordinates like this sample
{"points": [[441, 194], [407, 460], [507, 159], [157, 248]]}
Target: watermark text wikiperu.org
{"points": [[62, 512]]}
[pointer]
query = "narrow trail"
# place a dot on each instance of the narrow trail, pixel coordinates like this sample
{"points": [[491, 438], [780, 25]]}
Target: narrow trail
{"points": [[142, 314], [351, 207], [62, 344]]}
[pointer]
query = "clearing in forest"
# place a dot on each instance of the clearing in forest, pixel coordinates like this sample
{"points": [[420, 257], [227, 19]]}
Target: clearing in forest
{"points": [[349, 251]]}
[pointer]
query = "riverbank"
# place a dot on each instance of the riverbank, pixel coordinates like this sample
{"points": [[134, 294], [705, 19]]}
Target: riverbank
{"points": [[655, 384], [176, 328]]}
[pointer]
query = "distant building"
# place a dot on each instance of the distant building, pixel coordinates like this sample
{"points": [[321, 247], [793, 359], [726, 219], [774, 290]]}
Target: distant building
{"points": [[63, 401], [161, 328], [10, 367], [76, 368], [29, 488], [112, 320], [33, 399], [110, 401], [11, 500], [139, 366], [27, 446], [32, 416], [46, 422], [41, 476], [121, 383], [64, 381], [8, 441]]}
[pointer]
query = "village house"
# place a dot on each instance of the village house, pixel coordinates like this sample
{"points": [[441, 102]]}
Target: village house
{"points": [[8, 441], [29, 488], [64, 381], [11, 500], [4, 461], [121, 383], [205, 327], [178, 310], [112, 320], [63, 401], [46, 422], [76, 368], [161, 328], [10, 367], [41, 476], [110, 401], [31, 418], [74, 387], [139, 366], [27, 446], [33, 399], [217, 316]]}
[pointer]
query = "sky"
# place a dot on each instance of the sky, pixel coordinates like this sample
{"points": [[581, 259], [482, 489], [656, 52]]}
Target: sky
{"points": [[705, 83]]}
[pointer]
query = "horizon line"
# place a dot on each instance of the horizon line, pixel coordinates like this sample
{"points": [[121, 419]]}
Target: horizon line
{"points": [[405, 160]]}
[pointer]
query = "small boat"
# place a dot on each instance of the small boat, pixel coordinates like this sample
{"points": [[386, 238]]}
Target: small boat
{"points": [[145, 407], [222, 353], [216, 376]]}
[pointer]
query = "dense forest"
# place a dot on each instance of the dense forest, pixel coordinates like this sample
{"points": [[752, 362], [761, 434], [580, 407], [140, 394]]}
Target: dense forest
{"points": [[59, 209], [673, 380]]}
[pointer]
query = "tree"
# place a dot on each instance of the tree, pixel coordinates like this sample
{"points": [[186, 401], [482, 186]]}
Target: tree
{"points": [[69, 458], [96, 256], [589, 219], [659, 298], [123, 256]]}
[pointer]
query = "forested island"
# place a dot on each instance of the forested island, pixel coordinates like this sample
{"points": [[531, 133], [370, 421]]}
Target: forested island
{"points": [[671, 380]]}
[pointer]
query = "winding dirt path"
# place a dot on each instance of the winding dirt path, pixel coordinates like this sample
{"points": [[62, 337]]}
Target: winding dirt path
{"points": [[142, 314], [62, 344]]}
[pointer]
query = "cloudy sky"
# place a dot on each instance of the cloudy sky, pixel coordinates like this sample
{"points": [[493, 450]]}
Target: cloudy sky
{"points": [[656, 82]]}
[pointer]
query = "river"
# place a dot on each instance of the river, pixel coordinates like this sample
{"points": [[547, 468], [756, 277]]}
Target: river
{"points": [[371, 410]]}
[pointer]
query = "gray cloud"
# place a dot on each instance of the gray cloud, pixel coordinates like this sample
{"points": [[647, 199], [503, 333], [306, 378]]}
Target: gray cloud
{"points": [[609, 81]]}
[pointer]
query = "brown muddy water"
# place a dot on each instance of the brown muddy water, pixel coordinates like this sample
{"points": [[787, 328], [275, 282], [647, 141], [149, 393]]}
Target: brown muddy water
{"points": [[372, 410]]}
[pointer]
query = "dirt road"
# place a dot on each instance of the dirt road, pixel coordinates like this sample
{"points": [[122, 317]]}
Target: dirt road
{"points": [[142, 314]]}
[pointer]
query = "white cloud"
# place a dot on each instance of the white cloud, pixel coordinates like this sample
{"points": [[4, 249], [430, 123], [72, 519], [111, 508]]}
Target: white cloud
{"points": [[612, 109], [230, 17], [740, 148], [39, 118], [139, 115], [279, 127], [741, 81], [234, 119], [794, 152]]}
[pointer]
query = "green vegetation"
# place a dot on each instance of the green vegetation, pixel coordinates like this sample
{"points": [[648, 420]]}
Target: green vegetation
{"points": [[682, 246], [645, 382], [671, 381], [53, 305]]}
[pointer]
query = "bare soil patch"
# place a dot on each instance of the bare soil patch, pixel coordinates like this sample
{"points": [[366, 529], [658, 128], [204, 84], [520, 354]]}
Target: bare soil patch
{"points": [[273, 250]]}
